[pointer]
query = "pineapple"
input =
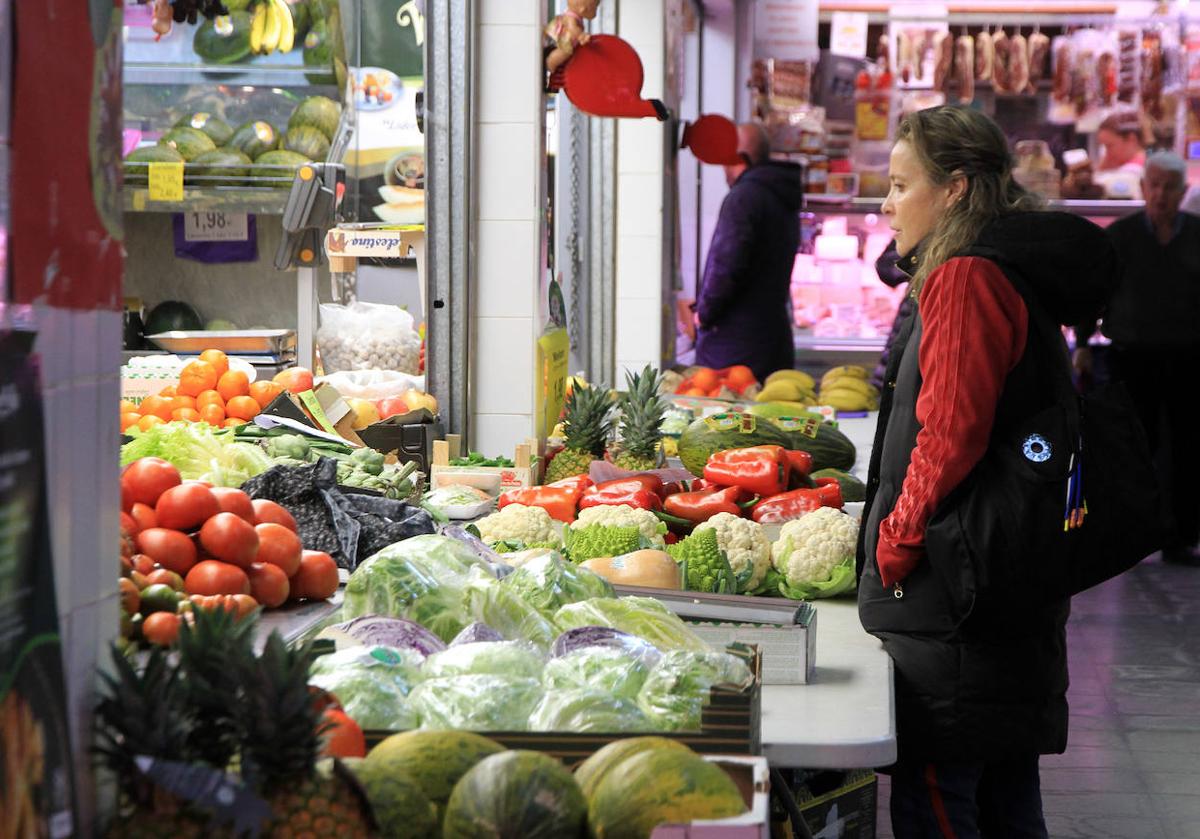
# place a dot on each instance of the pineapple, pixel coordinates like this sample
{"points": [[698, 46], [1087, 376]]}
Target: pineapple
{"points": [[642, 417], [586, 429], [281, 739]]}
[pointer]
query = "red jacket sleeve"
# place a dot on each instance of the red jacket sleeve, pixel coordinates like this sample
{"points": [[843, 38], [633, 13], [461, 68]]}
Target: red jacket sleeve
{"points": [[974, 329]]}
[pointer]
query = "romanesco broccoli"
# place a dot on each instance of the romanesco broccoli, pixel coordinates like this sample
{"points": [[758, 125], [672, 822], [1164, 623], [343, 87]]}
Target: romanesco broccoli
{"points": [[707, 567], [603, 541], [745, 543], [622, 515]]}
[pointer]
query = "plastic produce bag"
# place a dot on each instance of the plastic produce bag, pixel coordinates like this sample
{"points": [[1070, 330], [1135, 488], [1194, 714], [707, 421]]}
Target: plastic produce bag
{"points": [[504, 610], [676, 691], [586, 711], [582, 637], [496, 658], [373, 384], [613, 672], [549, 582], [372, 683], [368, 336], [644, 617], [476, 703]]}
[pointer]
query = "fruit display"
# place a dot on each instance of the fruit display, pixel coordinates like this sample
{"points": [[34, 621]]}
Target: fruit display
{"points": [[727, 382], [788, 386], [586, 429], [642, 414], [828, 447], [847, 388]]}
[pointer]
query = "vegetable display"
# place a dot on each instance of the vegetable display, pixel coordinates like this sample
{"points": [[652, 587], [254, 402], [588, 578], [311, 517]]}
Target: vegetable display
{"points": [[372, 684], [706, 566], [476, 702], [199, 452], [744, 544], [815, 554], [521, 524], [642, 616]]}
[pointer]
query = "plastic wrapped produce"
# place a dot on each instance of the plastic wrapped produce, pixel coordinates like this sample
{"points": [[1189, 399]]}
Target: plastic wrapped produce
{"points": [[497, 658], [368, 336], [372, 683], [476, 702], [614, 672], [676, 691], [585, 711]]}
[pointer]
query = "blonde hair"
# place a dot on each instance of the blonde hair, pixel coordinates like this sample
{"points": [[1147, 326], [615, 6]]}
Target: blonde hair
{"points": [[951, 141]]}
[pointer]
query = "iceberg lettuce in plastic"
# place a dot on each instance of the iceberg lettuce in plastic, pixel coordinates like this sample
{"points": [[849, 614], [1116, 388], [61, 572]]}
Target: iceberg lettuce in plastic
{"points": [[613, 672], [584, 711], [504, 610], [476, 703], [549, 582], [675, 692], [644, 617], [497, 658], [372, 683]]}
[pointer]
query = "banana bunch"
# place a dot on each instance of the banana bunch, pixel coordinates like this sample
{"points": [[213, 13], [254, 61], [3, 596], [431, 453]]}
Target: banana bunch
{"points": [[272, 28], [846, 388], [788, 386]]}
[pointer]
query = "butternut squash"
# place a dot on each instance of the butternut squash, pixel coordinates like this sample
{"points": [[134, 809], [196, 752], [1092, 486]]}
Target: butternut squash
{"points": [[649, 568]]}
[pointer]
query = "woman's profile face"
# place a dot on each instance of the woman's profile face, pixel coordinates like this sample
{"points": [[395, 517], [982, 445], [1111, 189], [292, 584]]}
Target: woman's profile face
{"points": [[914, 204], [1118, 149]]}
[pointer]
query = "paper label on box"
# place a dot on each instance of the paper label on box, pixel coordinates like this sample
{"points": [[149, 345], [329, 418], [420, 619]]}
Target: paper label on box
{"points": [[309, 400], [215, 227], [166, 181]]}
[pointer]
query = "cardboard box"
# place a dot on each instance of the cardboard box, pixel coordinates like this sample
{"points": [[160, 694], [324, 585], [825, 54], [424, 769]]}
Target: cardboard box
{"points": [[409, 437], [141, 381], [839, 805], [490, 479], [752, 776]]}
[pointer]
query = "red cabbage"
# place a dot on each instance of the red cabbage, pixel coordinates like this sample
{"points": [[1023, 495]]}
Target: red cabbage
{"points": [[377, 630]]}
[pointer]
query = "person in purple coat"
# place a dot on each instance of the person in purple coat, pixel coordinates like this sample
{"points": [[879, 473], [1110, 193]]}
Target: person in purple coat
{"points": [[743, 308]]}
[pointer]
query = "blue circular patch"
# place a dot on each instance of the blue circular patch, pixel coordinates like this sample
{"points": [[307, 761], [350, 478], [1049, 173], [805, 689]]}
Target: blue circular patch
{"points": [[1037, 448]]}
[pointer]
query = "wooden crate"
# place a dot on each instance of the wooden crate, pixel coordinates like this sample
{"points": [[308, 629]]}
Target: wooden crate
{"points": [[491, 479]]}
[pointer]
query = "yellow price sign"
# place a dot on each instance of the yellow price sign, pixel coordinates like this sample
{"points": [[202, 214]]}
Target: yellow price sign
{"points": [[166, 181], [553, 350]]}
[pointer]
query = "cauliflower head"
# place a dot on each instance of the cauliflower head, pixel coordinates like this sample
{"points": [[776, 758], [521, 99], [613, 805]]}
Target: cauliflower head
{"points": [[815, 554], [622, 515], [519, 523], [745, 543]]}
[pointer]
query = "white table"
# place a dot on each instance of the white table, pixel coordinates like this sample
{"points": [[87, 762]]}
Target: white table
{"points": [[846, 717]]}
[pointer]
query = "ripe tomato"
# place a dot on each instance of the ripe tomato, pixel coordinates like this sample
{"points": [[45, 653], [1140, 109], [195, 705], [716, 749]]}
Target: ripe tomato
{"points": [[295, 379], [268, 584], [343, 736], [212, 576], [235, 501], [392, 406], [268, 511], [245, 604], [278, 546], [169, 548], [317, 577], [166, 578], [146, 479], [143, 565], [143, 517], [129, 525], [161, 628], [186, 507], [131, 598], [231, 538], [208, 602]]}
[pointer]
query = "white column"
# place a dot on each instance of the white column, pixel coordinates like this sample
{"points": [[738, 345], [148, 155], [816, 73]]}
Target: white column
{"points": [[641, 192], [510, 167]]}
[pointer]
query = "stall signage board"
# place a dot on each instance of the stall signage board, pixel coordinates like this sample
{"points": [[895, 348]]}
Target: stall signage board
{"points": [[786, 30], [212, 226], [380, 242], [848, 34]]}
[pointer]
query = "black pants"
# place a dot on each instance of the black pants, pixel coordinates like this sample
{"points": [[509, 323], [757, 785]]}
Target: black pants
{"points": [[1000, 800], [1162, 385]]}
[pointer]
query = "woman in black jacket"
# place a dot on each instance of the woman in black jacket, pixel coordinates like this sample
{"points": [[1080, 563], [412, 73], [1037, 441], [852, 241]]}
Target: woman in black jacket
{"points": [[980, 661]]}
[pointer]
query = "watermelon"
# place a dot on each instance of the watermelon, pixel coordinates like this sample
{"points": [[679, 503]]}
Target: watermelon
{"points": [[318, 54], [830, 448], [189, 142], [136, 174], [400, 805], [517, 794], [308, 141], [225, 39], [268, 169], [219, 167], [171, 315], [319, 112], [659, 787], [852, 488], [216, 128], [434, 759], [720, 432], [254, 138], [592, 771]]}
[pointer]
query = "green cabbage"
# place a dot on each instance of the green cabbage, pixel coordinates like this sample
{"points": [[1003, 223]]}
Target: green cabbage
{"points": [[503, 609], [676, 691], [372, 683], [476, 702], [642, 616], [611, 671], [549, 582], [497, 658], [198, 452], [585, 711]]}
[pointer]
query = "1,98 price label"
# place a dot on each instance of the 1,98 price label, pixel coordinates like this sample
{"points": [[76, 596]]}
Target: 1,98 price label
{"points": [[215, 227]]}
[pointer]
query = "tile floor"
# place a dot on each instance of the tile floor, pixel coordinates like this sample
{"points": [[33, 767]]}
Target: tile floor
{"points": [[1132, 766]]}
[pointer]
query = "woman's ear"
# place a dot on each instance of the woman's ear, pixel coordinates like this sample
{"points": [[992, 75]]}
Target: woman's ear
{"points": [[956, 188]]}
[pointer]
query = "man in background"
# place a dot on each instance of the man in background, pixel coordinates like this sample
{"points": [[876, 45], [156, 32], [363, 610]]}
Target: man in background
{"points": [[1153, 320], [743, 306]]}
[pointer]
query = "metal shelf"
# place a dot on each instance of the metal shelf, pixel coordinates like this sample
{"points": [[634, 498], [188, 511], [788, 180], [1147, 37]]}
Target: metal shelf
{"points": [[865, 206], [257, 200]]}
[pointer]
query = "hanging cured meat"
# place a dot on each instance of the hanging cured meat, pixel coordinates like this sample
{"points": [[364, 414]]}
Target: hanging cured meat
{"points": [[943, 58], [964, 68], [1001, 63], [1039, 52], [1018, 63], [983, 56]]}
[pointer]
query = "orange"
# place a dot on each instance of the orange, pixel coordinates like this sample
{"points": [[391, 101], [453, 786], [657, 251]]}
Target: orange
{"points": [[218, 360], [178, 402], [242, 407], [186, 414], [197, 377], [128, 407], [149, 421], [715, 392], [167, 392], [156, 406], [264, 393], [129, 418], [210, 397], [234, 383], [740, 376], [694, 391], [233, 422], [705, 379], [212, 414]]}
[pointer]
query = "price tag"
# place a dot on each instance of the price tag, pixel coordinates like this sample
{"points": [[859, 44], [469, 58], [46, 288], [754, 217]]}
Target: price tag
{"points": [[211, 226], [166, 181]]}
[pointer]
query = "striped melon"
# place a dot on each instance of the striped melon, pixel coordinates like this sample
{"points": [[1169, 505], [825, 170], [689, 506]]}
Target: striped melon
{"points": [[517, 795], [593, 770], [661, 786], [436, 760], [400, 805]]}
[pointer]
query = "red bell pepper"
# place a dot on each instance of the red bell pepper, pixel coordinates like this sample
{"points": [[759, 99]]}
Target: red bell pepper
{"points": [[634, 495], [579, 483], [700, 506], [760, 470], [787, 506], [800, 461], [559, 501], [830, 492], [653, 483]]}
